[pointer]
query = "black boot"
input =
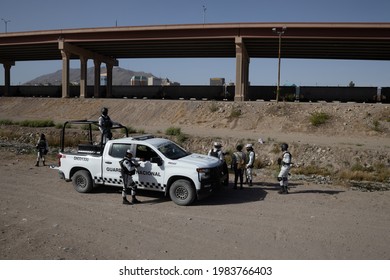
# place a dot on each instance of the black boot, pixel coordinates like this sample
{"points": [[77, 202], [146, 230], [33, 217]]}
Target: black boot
{"points": [[126, 202], [134, 200], [37, 164]]}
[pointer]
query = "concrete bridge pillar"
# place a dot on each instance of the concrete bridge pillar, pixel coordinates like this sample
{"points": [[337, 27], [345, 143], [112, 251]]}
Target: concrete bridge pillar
{"points": [[109, 67], [242, 71], [7, 77], [96, 90], [65, 73], [83, 77]]}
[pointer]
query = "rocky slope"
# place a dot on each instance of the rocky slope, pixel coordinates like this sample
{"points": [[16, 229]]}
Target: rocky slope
{"points": [[354, 134]]}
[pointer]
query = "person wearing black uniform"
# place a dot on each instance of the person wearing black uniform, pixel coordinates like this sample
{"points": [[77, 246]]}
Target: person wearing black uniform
{"points": [[105, 125], [42, 148], [128, 165]]}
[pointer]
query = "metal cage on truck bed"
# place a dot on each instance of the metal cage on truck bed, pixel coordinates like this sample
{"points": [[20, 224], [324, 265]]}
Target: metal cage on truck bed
{"points": [[90, 147]]}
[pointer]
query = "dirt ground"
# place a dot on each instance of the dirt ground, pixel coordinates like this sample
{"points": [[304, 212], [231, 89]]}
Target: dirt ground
{"points": [[43, 217]]}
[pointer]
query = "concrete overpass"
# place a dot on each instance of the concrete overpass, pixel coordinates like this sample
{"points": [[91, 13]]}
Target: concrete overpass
{"points": [[358, 41]]}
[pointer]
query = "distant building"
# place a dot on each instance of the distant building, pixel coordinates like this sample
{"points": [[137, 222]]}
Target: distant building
{"points": [[153, 81], [217, 81], [103, 79], [139, 81], [167, 82]]}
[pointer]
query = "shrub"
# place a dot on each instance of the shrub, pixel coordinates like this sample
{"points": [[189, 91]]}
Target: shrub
{"points": [[319, 118], [376, 126], [213, 107], [235, 113], [37, 123], [312, 170], [6, 122], [173, 131], [377, 173], [181, 138]]}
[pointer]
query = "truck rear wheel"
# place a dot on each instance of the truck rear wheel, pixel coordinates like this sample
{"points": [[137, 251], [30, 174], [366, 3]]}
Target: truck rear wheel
{"points": [[182, 192], [82, 181]]}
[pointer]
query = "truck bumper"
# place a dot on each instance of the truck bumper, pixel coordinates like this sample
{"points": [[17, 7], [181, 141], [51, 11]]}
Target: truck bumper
{"points": [[61, 175], [207, 188]]}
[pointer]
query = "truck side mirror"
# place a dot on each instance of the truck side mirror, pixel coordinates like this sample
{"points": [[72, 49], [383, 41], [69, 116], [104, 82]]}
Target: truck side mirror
{"points": [[157, 160]]}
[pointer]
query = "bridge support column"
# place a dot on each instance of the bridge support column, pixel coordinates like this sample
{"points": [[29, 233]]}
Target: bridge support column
{"points": [[65, 74], [242, 71], [96, 90], [7, 77], [83, 77], [109, 68]]}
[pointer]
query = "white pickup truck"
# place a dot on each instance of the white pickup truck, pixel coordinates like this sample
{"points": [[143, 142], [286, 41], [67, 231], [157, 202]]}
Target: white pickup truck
{"points": [[164, 166]]}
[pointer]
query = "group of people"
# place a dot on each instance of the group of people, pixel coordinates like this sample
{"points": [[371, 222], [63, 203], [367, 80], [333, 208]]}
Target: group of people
{"points": [[243, 163]]}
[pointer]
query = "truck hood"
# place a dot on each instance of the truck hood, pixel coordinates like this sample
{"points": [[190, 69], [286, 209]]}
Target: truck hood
{"points": [[200, 160]]}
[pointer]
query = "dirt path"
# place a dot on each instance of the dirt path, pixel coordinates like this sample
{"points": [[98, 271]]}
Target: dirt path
{"points": [[43, 217]]}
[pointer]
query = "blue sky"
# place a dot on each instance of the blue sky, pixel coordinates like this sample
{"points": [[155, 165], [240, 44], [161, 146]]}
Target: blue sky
{"points": [[26, 15]]}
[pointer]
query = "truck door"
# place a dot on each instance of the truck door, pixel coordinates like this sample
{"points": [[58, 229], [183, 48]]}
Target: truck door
{"points": [[111, 170], [149, 175]]}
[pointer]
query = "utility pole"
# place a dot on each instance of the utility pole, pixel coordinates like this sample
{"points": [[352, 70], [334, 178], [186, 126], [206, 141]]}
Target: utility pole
{"points": [[280, 33], [6, 21], [204, 14]]}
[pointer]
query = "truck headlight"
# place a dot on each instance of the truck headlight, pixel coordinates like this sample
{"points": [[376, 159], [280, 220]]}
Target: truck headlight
{"points": [[203, 173]]}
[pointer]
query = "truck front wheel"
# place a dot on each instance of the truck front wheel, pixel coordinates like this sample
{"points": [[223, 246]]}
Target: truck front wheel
{"points": [[182, 192], [82, 181]]}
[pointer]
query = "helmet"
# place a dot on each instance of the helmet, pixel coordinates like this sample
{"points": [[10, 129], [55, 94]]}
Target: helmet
{"points": [[104, 111], [217, 145], [284, 147], [128, 152]]}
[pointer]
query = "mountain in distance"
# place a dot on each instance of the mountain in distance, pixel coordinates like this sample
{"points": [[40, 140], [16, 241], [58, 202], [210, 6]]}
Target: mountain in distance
{"points": [[120, 76]]}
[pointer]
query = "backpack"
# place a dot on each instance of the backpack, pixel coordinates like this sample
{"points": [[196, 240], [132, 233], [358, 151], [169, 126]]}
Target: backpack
{"points": [[239, 161]]}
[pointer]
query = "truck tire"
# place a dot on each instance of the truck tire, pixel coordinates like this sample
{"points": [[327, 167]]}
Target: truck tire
{"points": [[182, 192], [82, 181]]}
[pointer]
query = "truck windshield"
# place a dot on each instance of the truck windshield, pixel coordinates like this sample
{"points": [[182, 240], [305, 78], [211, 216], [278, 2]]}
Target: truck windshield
{"points": [[172, 151]]}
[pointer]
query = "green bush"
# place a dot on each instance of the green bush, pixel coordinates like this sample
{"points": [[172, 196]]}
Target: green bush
{"points": [[6, 122], [173, 131], [235, 113], [319, 118], [213, 107], [37, 123]]}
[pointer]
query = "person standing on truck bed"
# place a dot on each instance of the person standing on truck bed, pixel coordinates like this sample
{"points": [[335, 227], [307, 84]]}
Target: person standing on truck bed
{"points": [[128, 165], [105, 125]]}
